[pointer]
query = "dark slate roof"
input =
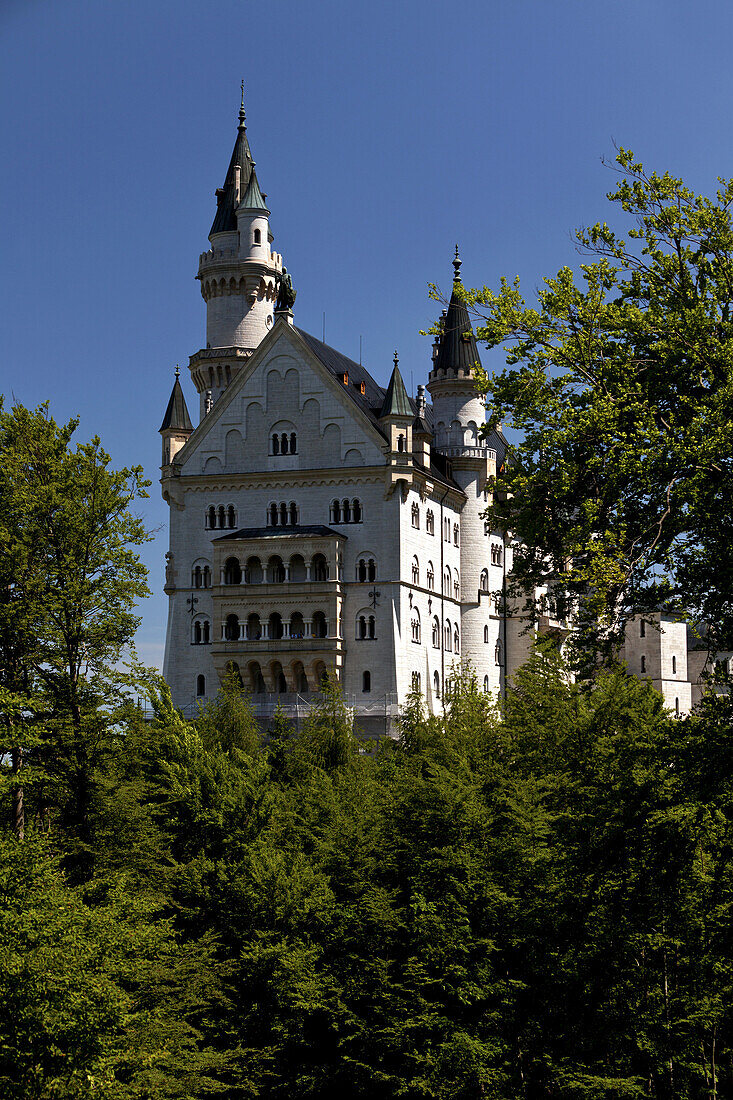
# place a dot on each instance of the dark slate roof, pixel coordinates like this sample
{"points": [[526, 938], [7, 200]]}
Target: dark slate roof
{"points": [[396, 402], [421, 426], [226, 218], [253, 199], [457, 348], [176, 415], [295, 532]]}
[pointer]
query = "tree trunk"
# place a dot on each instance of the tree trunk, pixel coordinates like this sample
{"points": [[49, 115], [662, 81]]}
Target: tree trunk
{"points": [[18, 807]]}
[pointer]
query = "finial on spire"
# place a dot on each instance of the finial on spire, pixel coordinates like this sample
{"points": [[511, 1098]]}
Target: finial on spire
{"points": [[396, 358], [178, 371], [241, 108], [457, 267]]}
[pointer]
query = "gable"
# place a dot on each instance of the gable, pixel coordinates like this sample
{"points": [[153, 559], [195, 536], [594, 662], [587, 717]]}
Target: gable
{"points": [[283, 400]]}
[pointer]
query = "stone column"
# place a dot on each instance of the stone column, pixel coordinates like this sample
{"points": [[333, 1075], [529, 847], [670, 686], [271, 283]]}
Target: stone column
{"points": [[308, 565], [286, 628], [242, 632], [221, 577], [223, 632], [308, 631], [286, 569], [265, 630]]}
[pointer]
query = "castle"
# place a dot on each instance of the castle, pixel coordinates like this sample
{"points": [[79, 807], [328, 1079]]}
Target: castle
{"points": [[320, 524]]}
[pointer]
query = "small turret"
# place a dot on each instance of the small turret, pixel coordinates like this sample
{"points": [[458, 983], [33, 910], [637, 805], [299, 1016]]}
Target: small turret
{"points": [[176, 426], [421, 433], [396, 416]]}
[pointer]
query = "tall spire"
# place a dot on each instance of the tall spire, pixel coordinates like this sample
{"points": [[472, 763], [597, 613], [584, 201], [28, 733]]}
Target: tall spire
{"points": [[457, 353], [226, 197]]}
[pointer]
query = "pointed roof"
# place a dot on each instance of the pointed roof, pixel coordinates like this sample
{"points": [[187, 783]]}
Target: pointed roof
{"points": [[396, 402], [457, 349], [253, 198], [176, 415], [226, 218]]}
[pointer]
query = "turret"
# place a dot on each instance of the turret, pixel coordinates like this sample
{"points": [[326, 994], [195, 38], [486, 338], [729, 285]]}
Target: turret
{"points": [[458, 412], [238, 275], [176, 426], [396, 416], [421, 433]]}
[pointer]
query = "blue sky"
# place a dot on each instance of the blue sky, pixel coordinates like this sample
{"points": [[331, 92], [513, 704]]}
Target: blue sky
{"points": [[383, 133]]}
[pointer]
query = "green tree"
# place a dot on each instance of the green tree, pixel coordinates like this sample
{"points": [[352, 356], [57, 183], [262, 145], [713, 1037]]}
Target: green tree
{"points": [[70, 579], [621, 381]]}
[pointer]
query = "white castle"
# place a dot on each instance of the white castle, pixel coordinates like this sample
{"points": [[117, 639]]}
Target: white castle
{"points": [[320, 524]]}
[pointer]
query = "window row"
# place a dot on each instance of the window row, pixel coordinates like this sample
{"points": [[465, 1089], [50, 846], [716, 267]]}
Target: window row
{"points": [[254, 629], [283, 443], [221, 517], [451, 636], [276, 571], [346, 511], [201, 576], [298, 680], [451, 579], [282, 514], [496, 553], [448, 526]]}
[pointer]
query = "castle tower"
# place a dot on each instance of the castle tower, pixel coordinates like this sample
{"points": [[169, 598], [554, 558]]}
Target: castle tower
{"points": [[458, 416], [238, 275], [176, 426]]}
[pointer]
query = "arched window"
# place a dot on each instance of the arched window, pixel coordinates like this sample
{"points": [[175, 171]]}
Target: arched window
{"points": [[431, 576], [486, 635], [416, 681], [361, 627], [256, 236], [643, 663], [415, 626], [366, 681], [484, 584], [284, 444], [372, 627], [674, 665], [430, 523], [436, 684], [400, 442], [319, 569], [456, 588], [207, 633], [446, 530], [447, 636], [361, 570], [276, 625], [207, 577], [356, 511], [275, 443], [415, 515], [293, 513], [293, 443], [335, 511], [211, 517], [676, 708], [346, 511], [456, 641], [486, 684], [196, 577], [446, 582], [200, 686], [272, 515], [232, 571], [642, 629], [497, 654], [283, 514], [371, 570], [221, 516], [455, 534], [231, 516], [436, 633], [415, 571], [231, 628], [196, 633], [320, 626]]}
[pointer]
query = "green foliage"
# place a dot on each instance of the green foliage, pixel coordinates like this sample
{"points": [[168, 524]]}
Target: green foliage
{"points": [[621, 383]]}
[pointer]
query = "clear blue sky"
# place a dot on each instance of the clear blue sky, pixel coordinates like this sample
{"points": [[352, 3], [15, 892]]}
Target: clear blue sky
{"points": [[383, 134]]}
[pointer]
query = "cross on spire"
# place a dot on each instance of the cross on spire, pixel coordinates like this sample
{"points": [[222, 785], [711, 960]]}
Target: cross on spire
{"points": [[457, 267]]}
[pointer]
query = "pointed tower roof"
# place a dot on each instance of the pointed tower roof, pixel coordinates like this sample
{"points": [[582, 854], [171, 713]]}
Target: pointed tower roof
{"points": [[253, 198], [176, 415], [396, 402], [457, 349], [226, 219]]}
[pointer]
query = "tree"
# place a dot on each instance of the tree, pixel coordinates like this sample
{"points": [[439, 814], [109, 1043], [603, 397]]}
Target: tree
{"points": [[621, 381], [69, 581]]}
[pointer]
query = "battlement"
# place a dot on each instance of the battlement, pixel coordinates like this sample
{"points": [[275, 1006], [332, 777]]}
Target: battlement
{"points": [[468, 452], [229, 257]]}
